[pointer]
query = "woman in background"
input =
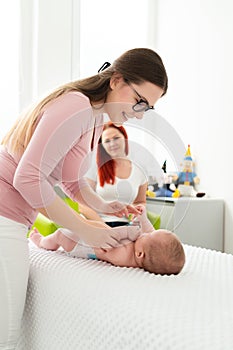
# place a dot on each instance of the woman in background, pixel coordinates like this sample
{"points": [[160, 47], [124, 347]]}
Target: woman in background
{"points": [[114, 176], [45, 147]]}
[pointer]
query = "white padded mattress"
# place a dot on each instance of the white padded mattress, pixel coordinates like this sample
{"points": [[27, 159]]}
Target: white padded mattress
{"points": [[78, 304]]}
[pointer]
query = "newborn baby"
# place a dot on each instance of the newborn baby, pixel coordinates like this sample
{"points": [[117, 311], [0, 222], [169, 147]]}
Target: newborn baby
{"points": [[156, 251]]}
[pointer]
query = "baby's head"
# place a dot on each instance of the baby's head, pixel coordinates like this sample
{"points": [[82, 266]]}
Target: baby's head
{"points": [[160, 252]]}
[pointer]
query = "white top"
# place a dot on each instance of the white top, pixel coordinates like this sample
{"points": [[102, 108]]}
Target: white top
{"points": [[124, 190]]}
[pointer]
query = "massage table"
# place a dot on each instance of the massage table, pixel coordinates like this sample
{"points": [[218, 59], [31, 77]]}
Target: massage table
{"points": [[79, 304]]}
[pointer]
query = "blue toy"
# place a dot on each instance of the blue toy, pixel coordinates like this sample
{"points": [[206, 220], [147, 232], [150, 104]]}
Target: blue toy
{"points": [[187, 176]]}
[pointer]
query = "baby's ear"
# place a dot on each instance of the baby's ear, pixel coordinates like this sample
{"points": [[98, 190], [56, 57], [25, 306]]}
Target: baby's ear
{"points": [[139, 254]]}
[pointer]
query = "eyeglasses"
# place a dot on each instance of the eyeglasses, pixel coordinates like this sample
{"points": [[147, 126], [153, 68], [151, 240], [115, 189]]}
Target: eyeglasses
{"points": [[142, 104]]}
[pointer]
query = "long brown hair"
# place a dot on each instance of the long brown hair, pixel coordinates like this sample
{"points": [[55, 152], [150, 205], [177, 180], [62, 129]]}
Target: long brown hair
{"points": [[136, 66], [105, 163]]}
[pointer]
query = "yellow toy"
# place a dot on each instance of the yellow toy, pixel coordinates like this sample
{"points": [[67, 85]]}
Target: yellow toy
{"points": [[150, 194]]}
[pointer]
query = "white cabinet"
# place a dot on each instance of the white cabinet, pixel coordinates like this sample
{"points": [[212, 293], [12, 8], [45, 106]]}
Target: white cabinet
{"points": [[197, 221]]}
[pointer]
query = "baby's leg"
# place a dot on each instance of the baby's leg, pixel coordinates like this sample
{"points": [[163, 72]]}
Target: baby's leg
{"points": [[146, 225], [64, 241], [49, 242], [52, 241]]}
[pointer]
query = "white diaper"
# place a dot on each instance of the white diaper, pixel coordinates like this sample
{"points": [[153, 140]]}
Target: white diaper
{"points": [[81, 249]]}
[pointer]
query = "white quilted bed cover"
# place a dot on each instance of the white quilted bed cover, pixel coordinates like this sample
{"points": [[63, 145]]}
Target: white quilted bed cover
{"points": [[79, 304]]}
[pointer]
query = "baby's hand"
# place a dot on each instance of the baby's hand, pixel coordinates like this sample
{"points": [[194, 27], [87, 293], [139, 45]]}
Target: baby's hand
{"points": [[132, 209], [146, 225], [140, 208]]}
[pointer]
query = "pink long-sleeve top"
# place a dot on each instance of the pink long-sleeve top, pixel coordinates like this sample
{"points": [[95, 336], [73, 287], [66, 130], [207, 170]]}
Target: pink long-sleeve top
{"points": [[56, 154]]}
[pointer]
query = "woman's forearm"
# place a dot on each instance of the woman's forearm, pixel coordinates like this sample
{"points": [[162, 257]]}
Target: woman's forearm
{"points": [[89, 198], [63, 215], [89, 213]]}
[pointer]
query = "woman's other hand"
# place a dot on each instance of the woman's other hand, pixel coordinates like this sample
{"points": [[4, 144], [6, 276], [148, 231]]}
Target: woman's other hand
{"points": [[118, 209], [115, 208]]}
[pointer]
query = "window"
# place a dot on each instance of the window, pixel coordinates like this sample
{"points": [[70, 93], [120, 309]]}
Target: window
{"points": [[107, 31], [9, 68]]}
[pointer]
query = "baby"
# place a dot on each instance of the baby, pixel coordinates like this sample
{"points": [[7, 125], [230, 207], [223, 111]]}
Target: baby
{"points": [[159, 252]]}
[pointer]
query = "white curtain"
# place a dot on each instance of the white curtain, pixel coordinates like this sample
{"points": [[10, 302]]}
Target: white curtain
{"points": [[9, 68], [47, 52]]}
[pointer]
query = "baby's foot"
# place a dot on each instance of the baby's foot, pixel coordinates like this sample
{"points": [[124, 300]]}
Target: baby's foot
{"points": [[146, 225], [35, 237]]}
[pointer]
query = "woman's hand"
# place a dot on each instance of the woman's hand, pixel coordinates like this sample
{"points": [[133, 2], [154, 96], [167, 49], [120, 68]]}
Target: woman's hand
{"points": [[100, 236], [119, 210], [115, 208]]}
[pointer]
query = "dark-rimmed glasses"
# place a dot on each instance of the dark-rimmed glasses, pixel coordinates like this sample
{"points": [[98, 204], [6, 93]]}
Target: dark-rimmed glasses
{"points": [[142, 105]]}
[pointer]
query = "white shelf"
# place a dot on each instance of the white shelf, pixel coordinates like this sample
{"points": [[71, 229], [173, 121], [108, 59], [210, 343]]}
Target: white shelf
{"points": [[197, 221]]}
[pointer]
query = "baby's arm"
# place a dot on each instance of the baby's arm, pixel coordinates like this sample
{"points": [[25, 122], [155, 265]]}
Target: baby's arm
{"points": [[52, 241], [146, 225]]}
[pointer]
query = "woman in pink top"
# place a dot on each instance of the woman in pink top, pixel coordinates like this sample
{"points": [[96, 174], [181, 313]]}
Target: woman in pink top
{"points": [[47, 146]]}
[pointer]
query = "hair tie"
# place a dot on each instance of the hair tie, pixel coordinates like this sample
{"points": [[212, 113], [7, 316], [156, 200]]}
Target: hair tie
{"points": [[104, 66]]}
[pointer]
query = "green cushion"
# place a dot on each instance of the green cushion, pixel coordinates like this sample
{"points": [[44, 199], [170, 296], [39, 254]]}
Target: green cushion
{"points": [[45, 226], [154, 219]]}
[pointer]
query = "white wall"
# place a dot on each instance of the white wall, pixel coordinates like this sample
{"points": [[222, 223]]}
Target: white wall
{"points": [[195, 39]]}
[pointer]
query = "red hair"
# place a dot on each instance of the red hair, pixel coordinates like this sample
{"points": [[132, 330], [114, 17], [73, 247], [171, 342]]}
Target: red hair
{"points": [[105, 163]]}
